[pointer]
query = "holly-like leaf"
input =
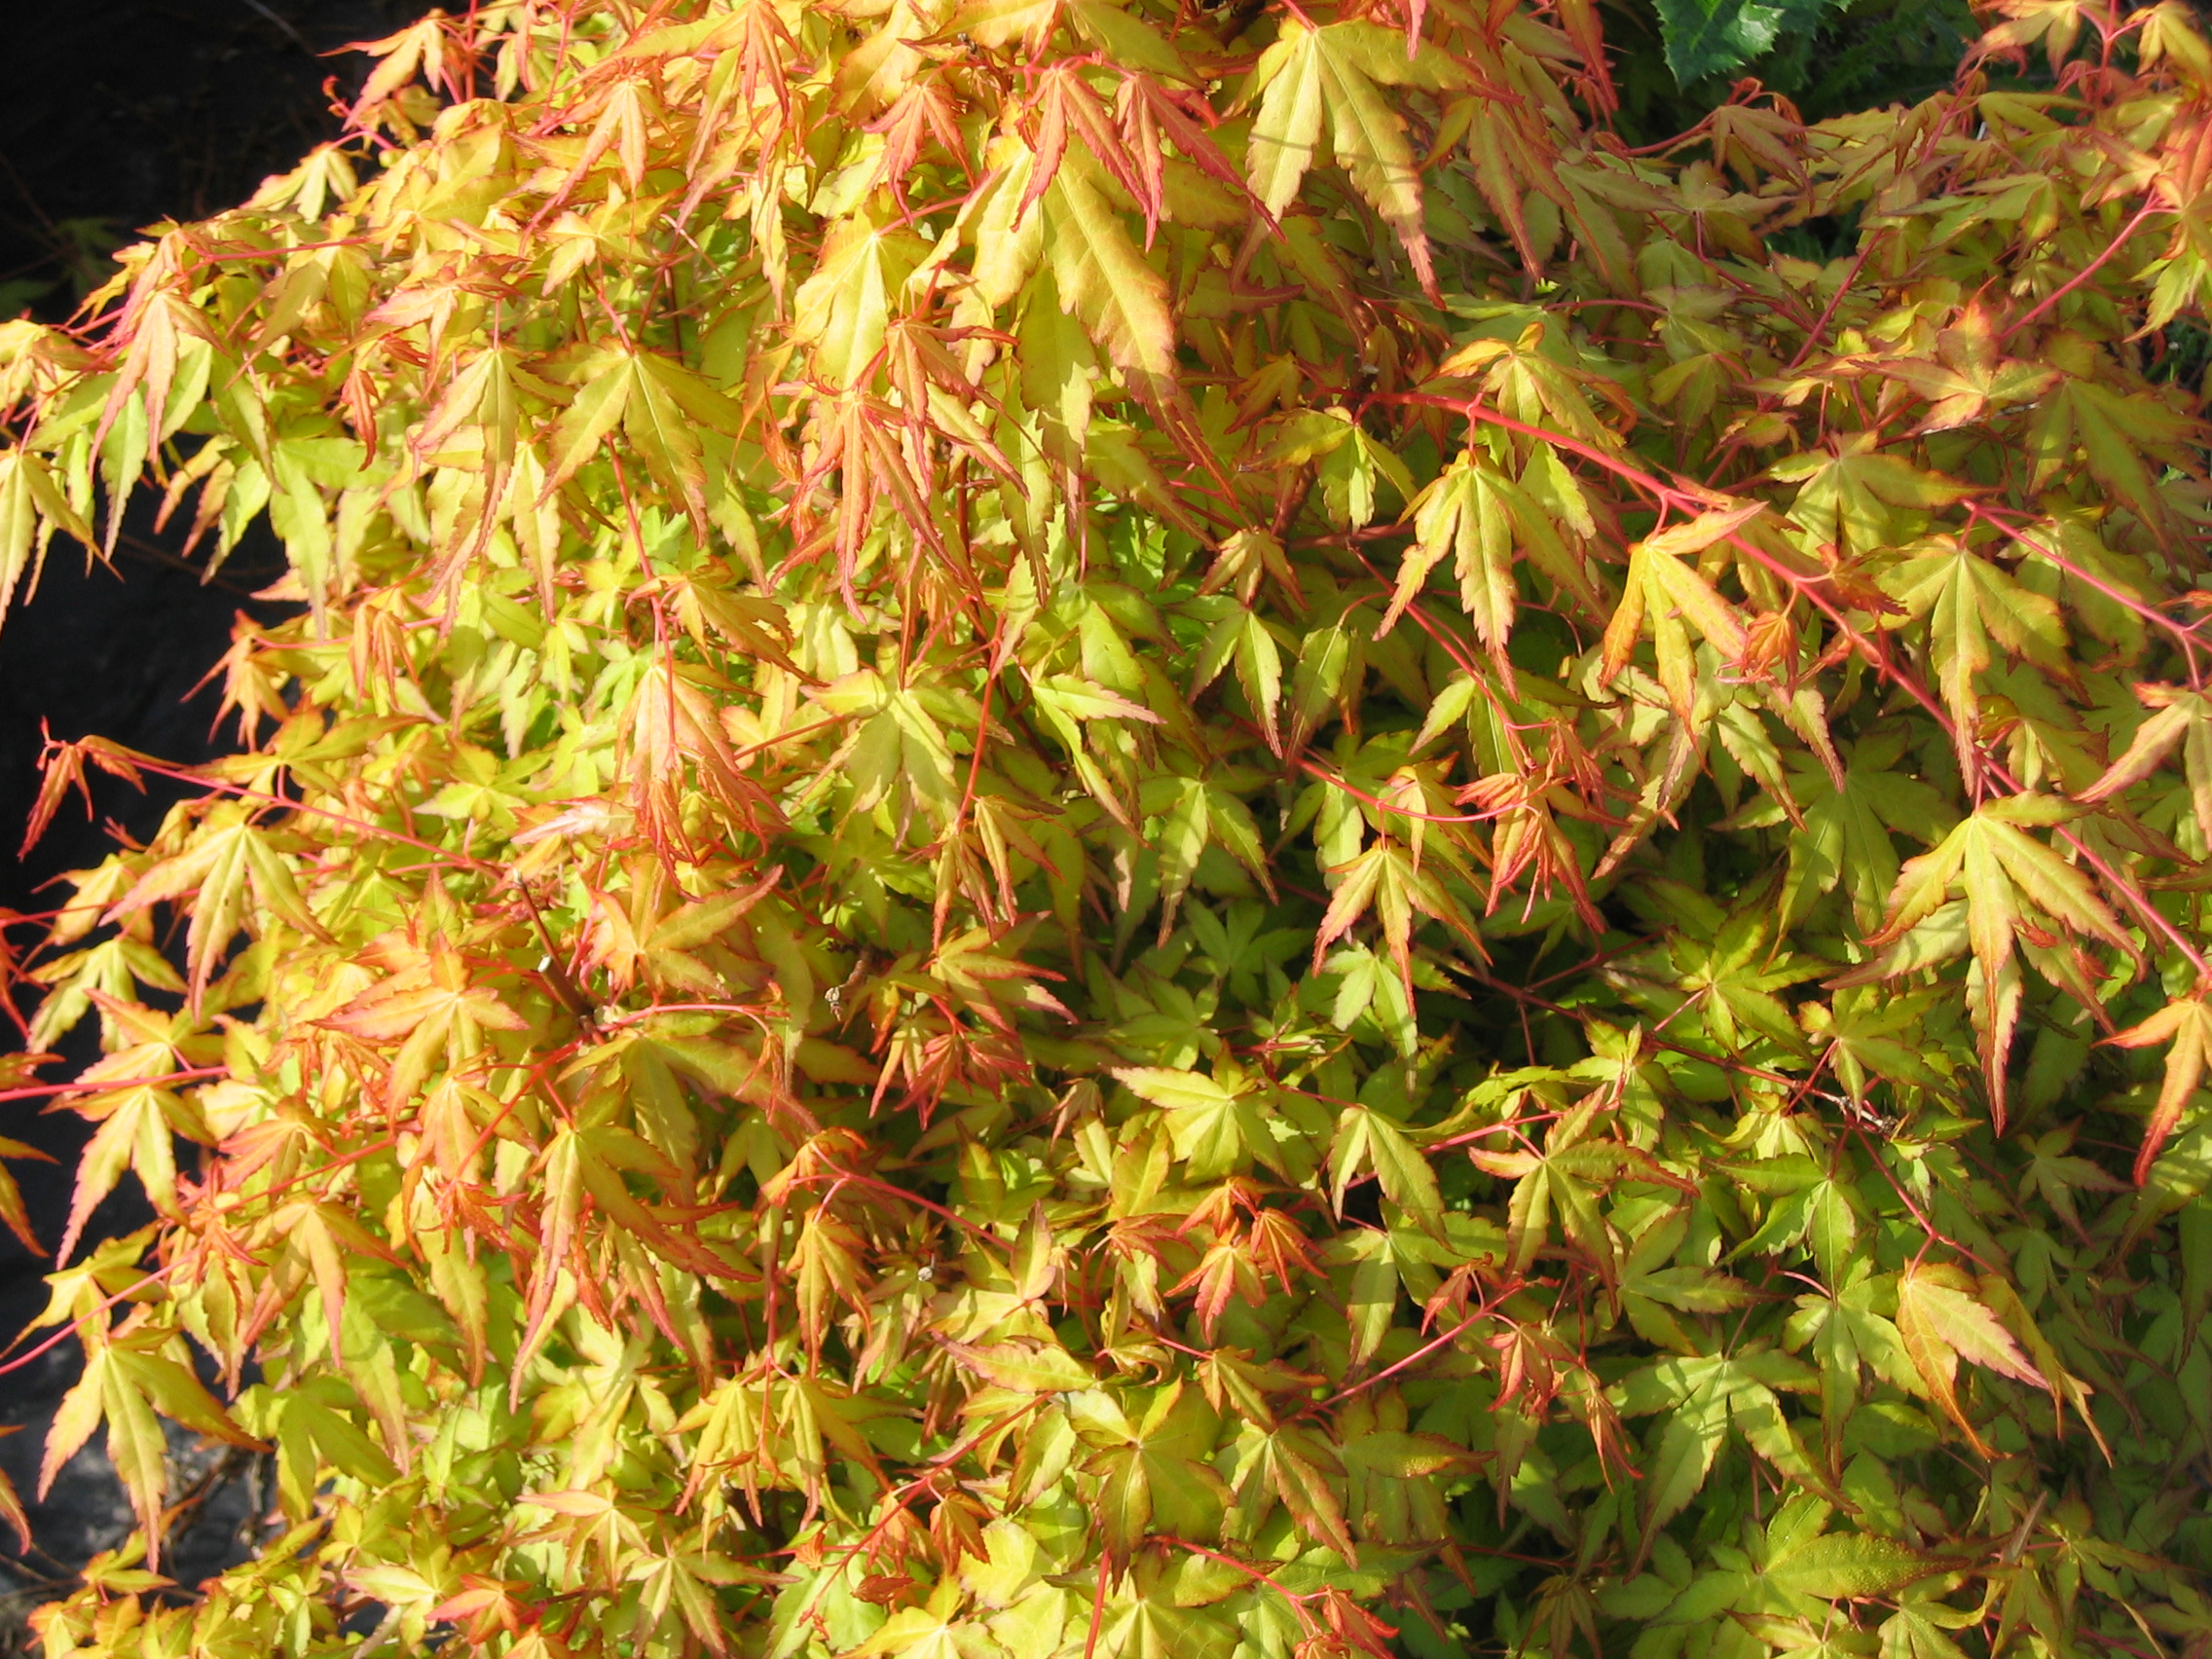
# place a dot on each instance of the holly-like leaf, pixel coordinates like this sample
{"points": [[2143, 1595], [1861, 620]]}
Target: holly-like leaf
{"points": [[1727, 36]]}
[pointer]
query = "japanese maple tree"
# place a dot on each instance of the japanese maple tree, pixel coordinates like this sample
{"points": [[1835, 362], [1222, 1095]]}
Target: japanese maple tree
{"points": [[1101, 831]]}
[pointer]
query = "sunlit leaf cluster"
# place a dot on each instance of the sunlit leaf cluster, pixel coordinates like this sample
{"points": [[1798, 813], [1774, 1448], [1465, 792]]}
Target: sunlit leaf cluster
{"points": [[1105, 831]]}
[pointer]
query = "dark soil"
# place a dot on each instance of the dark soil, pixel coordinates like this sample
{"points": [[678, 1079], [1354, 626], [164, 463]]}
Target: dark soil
{"points": [[115, 115]]}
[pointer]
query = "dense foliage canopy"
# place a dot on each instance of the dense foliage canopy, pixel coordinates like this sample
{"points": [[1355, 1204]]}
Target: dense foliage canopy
{"points": [[1106, 832]]}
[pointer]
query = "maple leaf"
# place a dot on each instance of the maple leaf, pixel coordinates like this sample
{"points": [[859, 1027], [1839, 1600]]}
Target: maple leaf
{"points": [[1865, 1033], [1482, 519], [1941, 1322], [1701, 1396], [1966, 599], [668, 723], [12, 1210], [1243, 636], [1966, 375], [1565, 1178], [1852, 498], [32, 509], [2119, 435], [2184, 1025], [233, 859], [61, 767], [432, 1004], [2181, 720], [1844, 825], [138, 1118], [1670, 596], [1390, 880], [1337, 70], [122, 1382], [1731, 980], [2007, 880], [1367, 1139], [843, 308], [1104, 281], [1216, 1122]]}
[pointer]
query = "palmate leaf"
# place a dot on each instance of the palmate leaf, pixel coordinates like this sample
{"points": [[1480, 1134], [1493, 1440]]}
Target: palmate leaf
{"points": [[1340, 70], [32, 509], [1845, 833], [1864, 1030], [1838, 1565], [1103, 280], [12, 1212], [2121, 438], [1854, 499], [221, 870], [1101, 830], [1216, 1122], [2184, 1025], [2007, 878], [1483, 520], [2181, 720], [1941, 1322], [1966, 600], [843, 309], [124, 1383], [1704, 1394], [1669, 597], [1366, 1139]]}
